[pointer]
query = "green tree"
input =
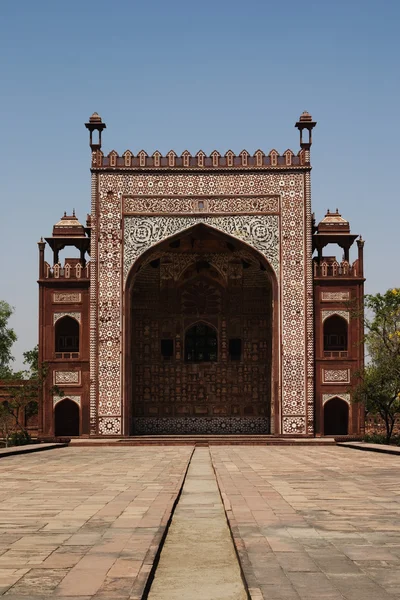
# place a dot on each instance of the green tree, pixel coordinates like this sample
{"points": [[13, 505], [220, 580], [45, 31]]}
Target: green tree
{"points": [[7, 339], [378, 384], [24, 392]]}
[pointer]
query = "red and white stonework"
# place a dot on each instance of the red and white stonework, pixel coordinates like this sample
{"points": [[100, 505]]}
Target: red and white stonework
{"points": [[138, 204]]}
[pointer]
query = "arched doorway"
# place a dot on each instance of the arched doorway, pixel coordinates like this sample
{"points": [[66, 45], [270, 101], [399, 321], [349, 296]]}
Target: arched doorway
{"points": [[200, 332], [66, 418], [336, 417]]}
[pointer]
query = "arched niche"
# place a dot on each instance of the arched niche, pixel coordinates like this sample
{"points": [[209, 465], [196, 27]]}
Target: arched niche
{"points": [[203, 276], [335, 332], [336, 417], [66, 418], [66, 334]]}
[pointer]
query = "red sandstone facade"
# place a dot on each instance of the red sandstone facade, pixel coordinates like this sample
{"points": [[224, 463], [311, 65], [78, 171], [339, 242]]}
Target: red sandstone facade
{"points": [[201, 308]]}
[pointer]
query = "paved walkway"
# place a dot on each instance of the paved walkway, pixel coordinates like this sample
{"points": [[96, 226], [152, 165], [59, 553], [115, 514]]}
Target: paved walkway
{"points": [[28, 448], [198, 561], [309, 523], [85, 523], [383, 448]]}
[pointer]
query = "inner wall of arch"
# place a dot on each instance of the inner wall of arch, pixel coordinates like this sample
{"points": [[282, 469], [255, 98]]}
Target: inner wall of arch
{"points": [[200, 339]]}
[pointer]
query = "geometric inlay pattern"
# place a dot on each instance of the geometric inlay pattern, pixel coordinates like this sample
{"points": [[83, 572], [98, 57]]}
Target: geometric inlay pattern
{"points": [[283, 247], [168, 425]]}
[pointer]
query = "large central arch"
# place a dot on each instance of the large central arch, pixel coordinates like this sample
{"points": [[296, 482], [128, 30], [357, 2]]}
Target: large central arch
{"points": [[178, 293]]}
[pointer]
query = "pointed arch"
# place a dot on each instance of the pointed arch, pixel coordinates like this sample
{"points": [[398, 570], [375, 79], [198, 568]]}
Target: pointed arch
{"points": [[257, 233], [153, 337]]}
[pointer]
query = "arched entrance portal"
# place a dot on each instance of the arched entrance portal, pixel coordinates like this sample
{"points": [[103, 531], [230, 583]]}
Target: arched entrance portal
{"points": [[336, 417], [200, 337], [66, 417]]}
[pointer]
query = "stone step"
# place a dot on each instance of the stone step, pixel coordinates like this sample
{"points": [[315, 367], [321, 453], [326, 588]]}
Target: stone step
{"points": [[205, 440]]}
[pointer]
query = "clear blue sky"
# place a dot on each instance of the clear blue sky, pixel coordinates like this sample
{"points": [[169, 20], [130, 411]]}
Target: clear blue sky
{"points": [[208, 74]]}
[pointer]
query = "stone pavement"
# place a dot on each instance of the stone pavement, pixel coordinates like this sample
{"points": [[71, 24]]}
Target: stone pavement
{"points": [[198, 561], [28, 448], [308, 522], [313, 523], [85, 523]]}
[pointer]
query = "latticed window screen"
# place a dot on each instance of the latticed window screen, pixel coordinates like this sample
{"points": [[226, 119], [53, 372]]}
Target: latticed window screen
{"points": [[201, 343]]}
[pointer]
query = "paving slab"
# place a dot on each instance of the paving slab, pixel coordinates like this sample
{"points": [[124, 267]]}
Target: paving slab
{"points": [[383, 448], [198, 560], [313, 523], [26, 449], [85, 522]]}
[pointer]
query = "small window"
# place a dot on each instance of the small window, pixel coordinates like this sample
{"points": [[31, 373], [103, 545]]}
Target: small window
{"points": [[235, 349], [335, 334], [67, 335], [201, 343], [167, 348]]}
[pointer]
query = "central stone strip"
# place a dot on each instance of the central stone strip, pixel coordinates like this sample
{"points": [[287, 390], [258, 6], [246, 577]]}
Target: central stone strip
{"points": [[198, 560]]}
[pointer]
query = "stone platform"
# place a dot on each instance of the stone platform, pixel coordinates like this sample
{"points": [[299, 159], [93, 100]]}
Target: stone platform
{"points": [[308, 522]]}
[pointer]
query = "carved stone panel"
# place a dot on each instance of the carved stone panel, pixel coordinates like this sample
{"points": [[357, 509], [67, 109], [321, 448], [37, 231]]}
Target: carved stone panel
{"points": [[57, 399], [227, 204], [335, 296], [336, 375], [340, 313], [67, 377], [60, 315], [260, 232], [327, 397], [67, 298]]}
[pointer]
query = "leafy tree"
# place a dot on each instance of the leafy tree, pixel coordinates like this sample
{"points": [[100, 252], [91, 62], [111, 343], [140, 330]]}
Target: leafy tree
{"points": [[378, 384], [6, 423], [23, 394], [379, 391], [7, 339]]}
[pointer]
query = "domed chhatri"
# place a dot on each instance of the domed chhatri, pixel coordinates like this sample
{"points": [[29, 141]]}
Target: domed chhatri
{"points": [[68, 225], [334, 218]]}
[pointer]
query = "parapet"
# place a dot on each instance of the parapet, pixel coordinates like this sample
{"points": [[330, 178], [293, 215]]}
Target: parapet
{"points": [[200, 161]]}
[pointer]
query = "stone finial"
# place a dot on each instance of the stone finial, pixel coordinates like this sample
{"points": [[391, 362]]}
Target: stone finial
{"points": [[305, 117], [95, 118]]}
